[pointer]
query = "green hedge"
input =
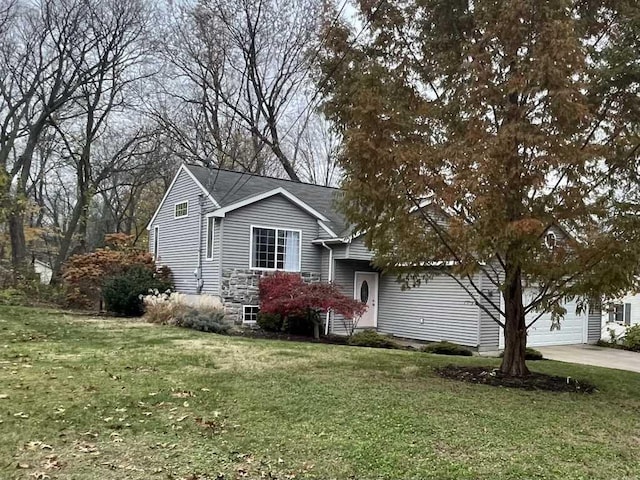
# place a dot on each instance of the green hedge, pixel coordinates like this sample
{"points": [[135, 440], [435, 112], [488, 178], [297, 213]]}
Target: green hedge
{"points": [[371, 338], [447, 348], [529, 354], [122, 293]]}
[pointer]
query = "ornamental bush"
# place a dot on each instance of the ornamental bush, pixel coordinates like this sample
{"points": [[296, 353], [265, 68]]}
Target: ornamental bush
{"points": [[204, 320], [85, 275], [287, 295], [123, 292], [269, 322], [163, 308], [632, 338], [371, 338], [529, 354], [447, 348]]}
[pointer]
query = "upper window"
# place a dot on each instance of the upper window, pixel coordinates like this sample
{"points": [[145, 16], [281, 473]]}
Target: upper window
{"points": [[181, 209], [209, 250], [275, 249], [550, 240]]}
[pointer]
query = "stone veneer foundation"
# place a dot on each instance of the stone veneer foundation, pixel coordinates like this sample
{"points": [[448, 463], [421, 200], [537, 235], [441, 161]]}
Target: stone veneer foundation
{"points": [[240, 287]]}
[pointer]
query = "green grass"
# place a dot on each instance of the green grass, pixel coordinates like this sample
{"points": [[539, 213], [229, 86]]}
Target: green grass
{"points": [[87, 398]]}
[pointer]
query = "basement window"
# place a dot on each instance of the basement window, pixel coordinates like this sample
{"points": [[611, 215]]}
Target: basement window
{"points": [[250, 314]]}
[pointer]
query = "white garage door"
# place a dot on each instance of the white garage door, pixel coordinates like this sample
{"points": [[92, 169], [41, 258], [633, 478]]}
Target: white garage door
{"points": [[573, 327]]}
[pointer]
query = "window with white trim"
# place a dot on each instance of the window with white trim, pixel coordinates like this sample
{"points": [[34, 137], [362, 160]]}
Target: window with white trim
{"points": [[156, 241], [275, 249], [550, 240], [209, 246], [250, 314], [181, 209]]}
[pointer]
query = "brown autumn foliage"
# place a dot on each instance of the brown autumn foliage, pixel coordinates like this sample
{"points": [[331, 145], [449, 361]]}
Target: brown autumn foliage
{"points": [[510, 117], [83, 274]]}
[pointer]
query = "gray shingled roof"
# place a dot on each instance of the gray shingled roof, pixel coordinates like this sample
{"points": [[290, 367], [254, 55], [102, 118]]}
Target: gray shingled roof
{"points": [[229, 187]]}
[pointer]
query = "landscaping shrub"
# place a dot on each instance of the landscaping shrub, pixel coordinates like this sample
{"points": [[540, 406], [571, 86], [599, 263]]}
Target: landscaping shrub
{"points": [[604, 343], [84, 275], [12, 296], [203, 320], [529, 354], [300, 303], [632, 338], [302, 324], [270, 322], [162, 307], [123, 292], [447, 348], [371, 338]]}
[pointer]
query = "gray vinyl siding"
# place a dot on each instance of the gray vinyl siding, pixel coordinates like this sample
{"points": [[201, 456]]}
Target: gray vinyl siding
{"points": [[340, 251], [324, 266], [489, 329], [178, 237], [355, 250], [358, 250], [272, 212], [211, 268], [344, 277], [594, 324], [438, 309]]}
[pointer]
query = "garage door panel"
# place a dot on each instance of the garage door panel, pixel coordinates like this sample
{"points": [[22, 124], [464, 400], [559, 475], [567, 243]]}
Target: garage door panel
{"points": [[572, 327]]}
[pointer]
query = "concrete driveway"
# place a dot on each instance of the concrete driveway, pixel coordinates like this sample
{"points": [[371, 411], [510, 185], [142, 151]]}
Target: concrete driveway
{"points": [[592, 355]]}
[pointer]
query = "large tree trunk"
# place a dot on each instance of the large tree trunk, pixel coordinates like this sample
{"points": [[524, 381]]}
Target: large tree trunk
{"points": [[18, 241], [515, 331]]}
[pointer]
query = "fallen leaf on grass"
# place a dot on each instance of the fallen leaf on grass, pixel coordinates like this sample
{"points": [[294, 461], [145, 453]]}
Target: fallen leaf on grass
{"points": [[40, 476], [85, 447], [182, 418], [183, 394], [52, 463]]}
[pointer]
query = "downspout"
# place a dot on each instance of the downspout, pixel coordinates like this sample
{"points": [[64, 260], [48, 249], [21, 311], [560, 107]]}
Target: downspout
{"points": [[220, 253], [198, 271], [330, 279]]}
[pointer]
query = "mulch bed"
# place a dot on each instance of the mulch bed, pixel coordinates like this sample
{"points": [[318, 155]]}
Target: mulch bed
{"points": [[534, 381]]}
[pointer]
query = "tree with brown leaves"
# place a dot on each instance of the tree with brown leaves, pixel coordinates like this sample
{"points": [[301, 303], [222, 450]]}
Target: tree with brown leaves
{"points": [[493, 122]]}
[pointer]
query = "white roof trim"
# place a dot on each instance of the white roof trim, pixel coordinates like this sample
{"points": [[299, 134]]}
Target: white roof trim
{"points": [[182, 168], [320, 241], [326, 229], [221, 212]]}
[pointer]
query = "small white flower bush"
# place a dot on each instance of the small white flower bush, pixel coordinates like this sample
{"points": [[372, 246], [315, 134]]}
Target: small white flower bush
{"points": [[173, 308], [207, 303], [163, 307]]}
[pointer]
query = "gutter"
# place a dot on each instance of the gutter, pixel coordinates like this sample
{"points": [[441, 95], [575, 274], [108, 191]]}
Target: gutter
{"points": [[330, 278], [198, 272]]}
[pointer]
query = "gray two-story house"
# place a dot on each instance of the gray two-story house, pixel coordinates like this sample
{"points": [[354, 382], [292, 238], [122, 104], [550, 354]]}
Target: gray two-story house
{"points": [[219, 231]]}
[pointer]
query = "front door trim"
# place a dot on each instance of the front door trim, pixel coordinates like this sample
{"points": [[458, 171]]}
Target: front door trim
{"points": [[356, 293]]}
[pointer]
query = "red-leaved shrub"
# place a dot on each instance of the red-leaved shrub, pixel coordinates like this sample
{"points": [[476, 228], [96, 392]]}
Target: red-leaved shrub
{"points": [[287, 295]]}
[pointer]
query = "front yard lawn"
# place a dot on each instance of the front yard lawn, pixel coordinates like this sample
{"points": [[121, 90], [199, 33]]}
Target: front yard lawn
{"points": [[88, 398]]}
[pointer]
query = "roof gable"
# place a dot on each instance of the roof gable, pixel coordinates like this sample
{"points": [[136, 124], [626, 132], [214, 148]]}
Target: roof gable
{"points": [[234, 189], [196, 182]]}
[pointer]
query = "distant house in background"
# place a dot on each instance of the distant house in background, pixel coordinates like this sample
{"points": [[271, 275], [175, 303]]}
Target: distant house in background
{"points": [[219, 231], [44, 270], [619, 314]]}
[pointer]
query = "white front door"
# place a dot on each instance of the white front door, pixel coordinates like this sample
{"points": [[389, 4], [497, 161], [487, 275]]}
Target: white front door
{"points": [[366, 290]]}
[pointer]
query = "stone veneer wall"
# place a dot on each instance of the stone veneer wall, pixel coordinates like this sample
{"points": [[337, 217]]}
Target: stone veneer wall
{"points": [[240, 287]]}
